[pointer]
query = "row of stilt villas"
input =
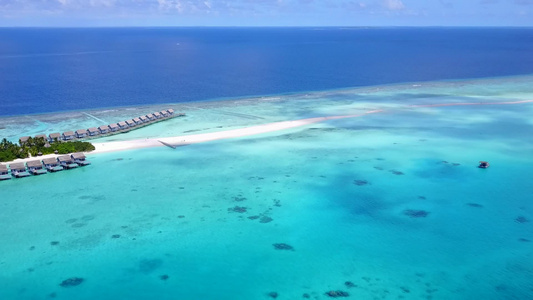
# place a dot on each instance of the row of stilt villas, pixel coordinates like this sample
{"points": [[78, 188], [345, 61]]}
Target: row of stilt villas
{"points": [[39, 167], [112, 128]]}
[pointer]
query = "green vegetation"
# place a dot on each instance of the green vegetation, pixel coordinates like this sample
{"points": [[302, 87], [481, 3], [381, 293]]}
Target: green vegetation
{"points": [[10, 151]]}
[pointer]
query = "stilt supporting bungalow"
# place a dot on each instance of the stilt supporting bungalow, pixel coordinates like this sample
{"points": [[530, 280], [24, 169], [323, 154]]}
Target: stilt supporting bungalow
{"points": [[36, 167], [4, 175], [52, 165], [18, 170]]}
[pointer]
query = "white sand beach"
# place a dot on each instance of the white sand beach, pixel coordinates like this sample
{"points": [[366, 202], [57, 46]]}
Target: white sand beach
{"points": [[205, 137]]}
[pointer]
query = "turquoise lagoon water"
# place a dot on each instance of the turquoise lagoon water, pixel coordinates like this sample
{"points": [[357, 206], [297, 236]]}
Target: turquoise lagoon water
{"points": [[201, 221]]}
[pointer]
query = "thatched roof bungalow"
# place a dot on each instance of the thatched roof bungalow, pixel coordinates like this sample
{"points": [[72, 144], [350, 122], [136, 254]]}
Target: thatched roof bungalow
{"points": [[122, 125], [52, 164], [24, 139], [18, 170], [104, 129], [81, 133], [4, 175], [131, 123], [114, 127], [35, 167], [79, 158], [68, 135], [56, 136], [66, 162], [93, 131]]}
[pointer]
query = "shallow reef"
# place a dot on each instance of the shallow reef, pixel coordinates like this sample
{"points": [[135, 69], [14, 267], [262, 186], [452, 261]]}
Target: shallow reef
{"points": [[337, 294], [416, 213], [283, 246], [70, 282]]}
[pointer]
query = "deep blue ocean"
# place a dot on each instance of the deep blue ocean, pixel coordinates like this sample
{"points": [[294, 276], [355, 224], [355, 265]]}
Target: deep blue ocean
{"points": [[47, 70]]}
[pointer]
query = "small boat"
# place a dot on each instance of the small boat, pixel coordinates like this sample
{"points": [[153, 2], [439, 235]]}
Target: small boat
{"points": [[483, 164]]}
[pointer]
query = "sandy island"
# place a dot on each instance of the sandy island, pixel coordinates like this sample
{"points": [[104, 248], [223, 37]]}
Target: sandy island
{"points": [[205, 137], [234, 133]]}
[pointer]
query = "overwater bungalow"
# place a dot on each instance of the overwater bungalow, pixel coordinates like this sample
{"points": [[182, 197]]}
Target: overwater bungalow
{"points": [[137, 121], [144, 119], [18, 170], [68, 135], [4, 174], [157, 115], [93, 131], [54, 137], [81, 133], [122, 125], [131, 123], [67, 162], [36, 167], [150, 117], [164, 113], [51, 164], [170, 111], [104, 129], [79, 158], [114, 127], [23, 139]]}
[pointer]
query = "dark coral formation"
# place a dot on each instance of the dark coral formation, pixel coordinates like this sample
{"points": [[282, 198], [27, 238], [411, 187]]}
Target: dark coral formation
{"points": [[73, 281], [337, 294], [238, 209], [395, 172], [350, 284], [265, 219], [521, 219], [273, 295], [416, 213], [149, 265], [360, 182], [283, 246]]}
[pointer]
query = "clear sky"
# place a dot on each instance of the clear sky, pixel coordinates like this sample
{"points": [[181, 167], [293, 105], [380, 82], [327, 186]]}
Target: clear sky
{"points": [[68, 13]]}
